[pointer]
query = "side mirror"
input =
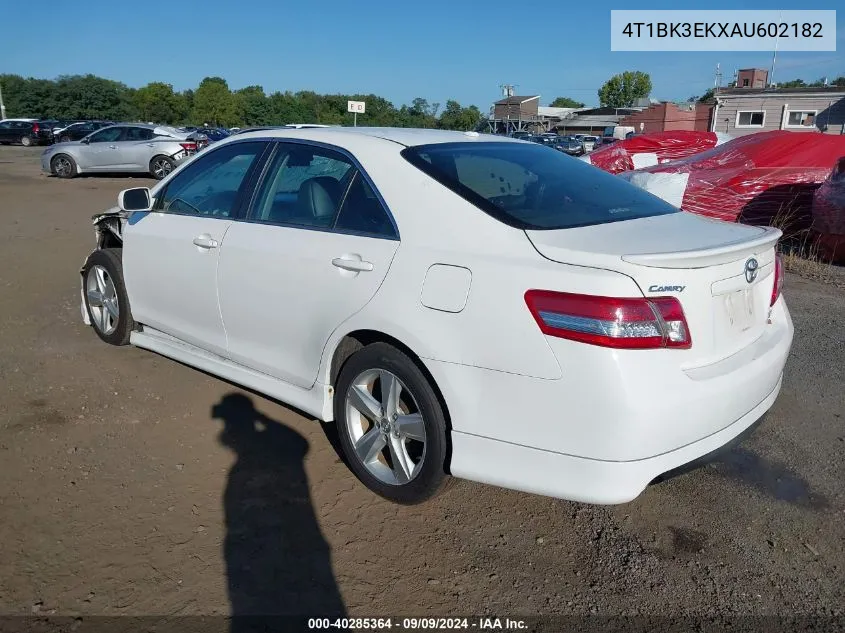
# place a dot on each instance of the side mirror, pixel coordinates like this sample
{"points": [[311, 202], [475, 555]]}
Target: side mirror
{"points": [[85, 140], [137, 199]]}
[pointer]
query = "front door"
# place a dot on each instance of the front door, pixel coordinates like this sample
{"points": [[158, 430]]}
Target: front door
{"points": [[312, 251], [170, 254], [101, 151]]}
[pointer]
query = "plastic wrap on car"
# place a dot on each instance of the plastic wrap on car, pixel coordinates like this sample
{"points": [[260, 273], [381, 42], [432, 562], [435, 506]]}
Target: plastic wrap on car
{"points": [[767, 178], [644, 150], [829, 215]]}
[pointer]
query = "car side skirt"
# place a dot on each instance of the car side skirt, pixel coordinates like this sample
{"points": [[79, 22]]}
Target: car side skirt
{"points": [[316, 401]]}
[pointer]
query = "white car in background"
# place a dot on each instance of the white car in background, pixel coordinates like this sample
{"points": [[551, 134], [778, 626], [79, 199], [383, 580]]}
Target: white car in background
{"points": [[456, 303]]}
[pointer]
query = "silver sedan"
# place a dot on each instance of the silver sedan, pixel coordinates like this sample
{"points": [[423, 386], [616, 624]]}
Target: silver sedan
{"points": [[126, 148]]}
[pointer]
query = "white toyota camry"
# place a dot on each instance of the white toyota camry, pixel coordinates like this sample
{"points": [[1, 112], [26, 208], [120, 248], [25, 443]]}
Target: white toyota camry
{"points": [[458, 304]]}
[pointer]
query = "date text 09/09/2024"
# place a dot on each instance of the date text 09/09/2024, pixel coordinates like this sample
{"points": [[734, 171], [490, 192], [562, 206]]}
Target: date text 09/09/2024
{"points": [[418, 624], [723, 29]]}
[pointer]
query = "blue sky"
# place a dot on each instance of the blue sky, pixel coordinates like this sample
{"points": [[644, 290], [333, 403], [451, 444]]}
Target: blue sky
{"points": [[437, 49]]}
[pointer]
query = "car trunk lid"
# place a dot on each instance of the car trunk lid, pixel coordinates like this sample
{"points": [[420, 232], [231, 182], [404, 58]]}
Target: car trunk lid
{"points": [[722, 273]]}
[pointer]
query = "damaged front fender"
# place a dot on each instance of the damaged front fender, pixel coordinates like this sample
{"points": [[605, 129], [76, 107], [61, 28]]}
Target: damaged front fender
{"points": [[108, 232]]}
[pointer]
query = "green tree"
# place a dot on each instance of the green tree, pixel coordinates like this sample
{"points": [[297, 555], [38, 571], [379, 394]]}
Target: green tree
{"points": [[565, 102], [622, 90], [455, 117], [157, 102], [794, 83], [253, 106], [90, 97], [214, 103], [707, 96]]}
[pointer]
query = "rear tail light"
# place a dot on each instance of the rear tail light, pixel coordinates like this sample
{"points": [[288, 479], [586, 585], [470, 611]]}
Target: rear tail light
{"points": [[35, 128], [622, 323], [189, 147], [778, 285]]}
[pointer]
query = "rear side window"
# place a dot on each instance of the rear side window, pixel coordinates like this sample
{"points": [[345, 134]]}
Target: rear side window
{"points": [[529, 186], [138, 134]]}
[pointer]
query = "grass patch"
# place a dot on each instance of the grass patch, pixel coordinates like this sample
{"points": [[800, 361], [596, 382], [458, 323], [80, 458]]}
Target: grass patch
{"points": [[801, 254]]}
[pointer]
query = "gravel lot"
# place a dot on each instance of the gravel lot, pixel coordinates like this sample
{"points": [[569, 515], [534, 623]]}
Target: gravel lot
{"points": [[130, 484]]}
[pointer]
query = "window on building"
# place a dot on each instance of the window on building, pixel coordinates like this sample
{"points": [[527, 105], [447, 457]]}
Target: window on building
{"points": [[753, 118], [745, 82], [806, 118]]}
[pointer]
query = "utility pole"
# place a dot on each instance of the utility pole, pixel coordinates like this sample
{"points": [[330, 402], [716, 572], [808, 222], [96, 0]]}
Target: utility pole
{"points": [[717, 83], [2, 105], [774, 58]]}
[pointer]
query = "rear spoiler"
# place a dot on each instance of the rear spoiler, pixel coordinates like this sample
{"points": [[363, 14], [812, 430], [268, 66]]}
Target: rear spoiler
{"points": [[701, 258]]}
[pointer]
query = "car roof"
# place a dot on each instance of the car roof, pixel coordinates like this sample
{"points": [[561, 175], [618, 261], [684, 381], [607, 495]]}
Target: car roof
{"points": [[408, 137]]}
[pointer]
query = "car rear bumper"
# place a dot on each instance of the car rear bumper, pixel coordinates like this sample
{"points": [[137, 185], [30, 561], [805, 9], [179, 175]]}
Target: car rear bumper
{"points": [[610, 425], [586, 480]]}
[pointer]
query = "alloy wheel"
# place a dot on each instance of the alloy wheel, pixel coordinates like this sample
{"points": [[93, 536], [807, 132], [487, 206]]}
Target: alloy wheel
{"points": [[386, 427], [102, 300], [62, 166], [161, 168]]}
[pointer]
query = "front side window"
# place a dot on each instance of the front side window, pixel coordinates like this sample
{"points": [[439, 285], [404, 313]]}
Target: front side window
{"points": [[750, 119], [210, 185], [109, 135], [534, 187], [304, 186]]}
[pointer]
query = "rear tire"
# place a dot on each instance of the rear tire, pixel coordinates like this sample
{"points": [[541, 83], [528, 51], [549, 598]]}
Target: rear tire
{"points": [[26, 141], [161, 166], [63, 166], [401, 454], [106, 301]]}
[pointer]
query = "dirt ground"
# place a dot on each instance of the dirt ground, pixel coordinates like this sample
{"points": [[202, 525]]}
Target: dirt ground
{"points": [[131, 484]]}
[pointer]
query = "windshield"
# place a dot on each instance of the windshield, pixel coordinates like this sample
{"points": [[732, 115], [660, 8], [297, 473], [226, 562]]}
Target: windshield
{"points": [[529, 186]]}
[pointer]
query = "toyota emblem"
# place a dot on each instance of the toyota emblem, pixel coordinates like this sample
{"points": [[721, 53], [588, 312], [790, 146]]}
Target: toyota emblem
{"points": [[751, 267]]}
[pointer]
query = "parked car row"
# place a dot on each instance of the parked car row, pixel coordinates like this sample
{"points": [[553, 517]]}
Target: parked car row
{"points": [[29, 132], [574, 145]]}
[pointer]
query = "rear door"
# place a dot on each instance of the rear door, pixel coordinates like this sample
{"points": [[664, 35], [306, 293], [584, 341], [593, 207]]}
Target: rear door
{"points": [[313, 250], [170, 254], [135, 148]]}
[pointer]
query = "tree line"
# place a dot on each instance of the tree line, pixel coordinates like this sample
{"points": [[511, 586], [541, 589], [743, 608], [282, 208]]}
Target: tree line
{"points": [[214, 103]]}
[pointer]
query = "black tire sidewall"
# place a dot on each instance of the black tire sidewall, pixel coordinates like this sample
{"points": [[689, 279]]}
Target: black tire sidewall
{"points": [[109, 258], [432, 476], [72, 166], [160, 157]]}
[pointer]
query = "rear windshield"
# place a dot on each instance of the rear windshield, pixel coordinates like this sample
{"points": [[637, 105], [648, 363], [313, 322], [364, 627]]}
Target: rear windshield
{"points": [[530, 186]]}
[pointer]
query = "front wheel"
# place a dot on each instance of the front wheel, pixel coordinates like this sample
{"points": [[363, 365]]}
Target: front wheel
{"points": [[63, 166], [391, 425], [105, 296], [161, 166]]}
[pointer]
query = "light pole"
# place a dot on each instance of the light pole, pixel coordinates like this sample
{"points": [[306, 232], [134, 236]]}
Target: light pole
{"points": [[2, 105]]}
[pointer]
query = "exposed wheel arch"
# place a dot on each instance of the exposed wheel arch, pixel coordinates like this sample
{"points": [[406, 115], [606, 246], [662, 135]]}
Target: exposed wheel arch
{"points": [[359, 339]]}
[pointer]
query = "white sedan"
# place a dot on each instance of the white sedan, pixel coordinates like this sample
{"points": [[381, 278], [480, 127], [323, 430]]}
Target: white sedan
{"points": [[458, 304]]}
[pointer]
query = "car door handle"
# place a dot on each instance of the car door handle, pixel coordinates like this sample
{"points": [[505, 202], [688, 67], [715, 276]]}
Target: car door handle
{"points": [[205, 241], [356, 265]]}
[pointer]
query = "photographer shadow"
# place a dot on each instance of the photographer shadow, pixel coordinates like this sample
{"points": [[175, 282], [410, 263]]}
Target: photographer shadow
{"points": [[277, 561]]}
